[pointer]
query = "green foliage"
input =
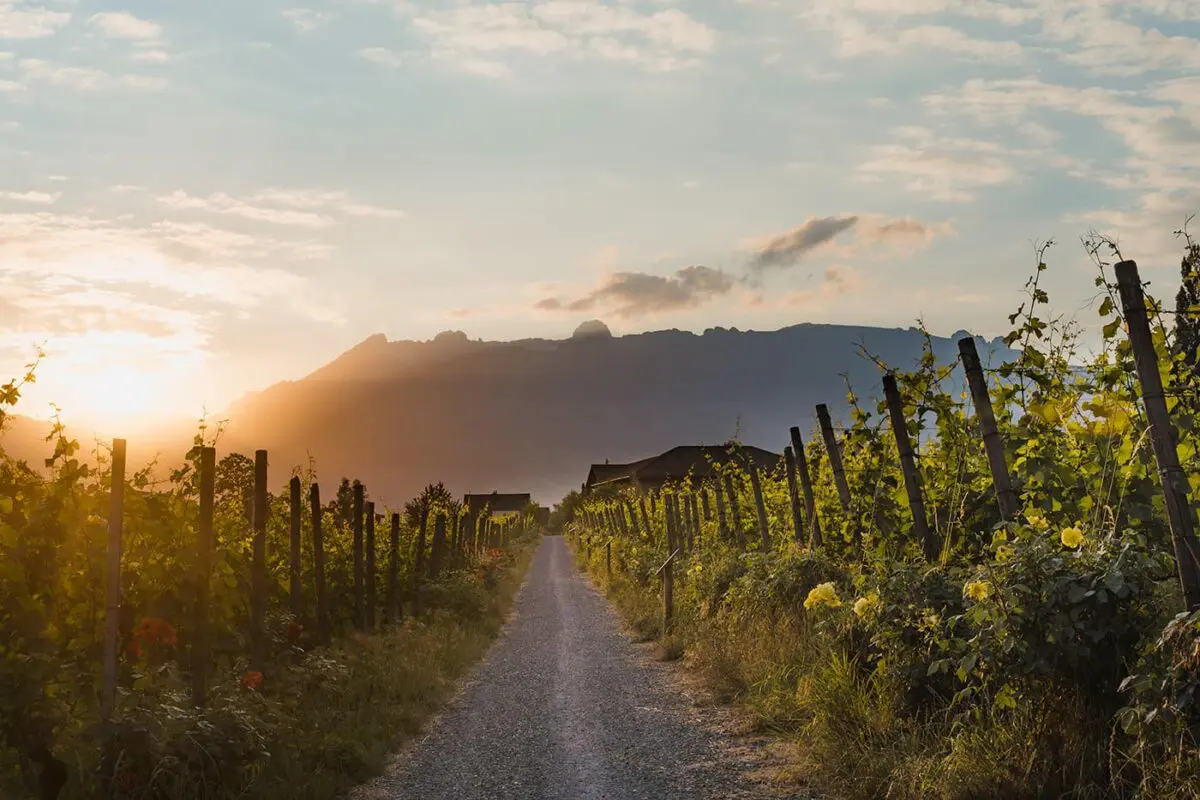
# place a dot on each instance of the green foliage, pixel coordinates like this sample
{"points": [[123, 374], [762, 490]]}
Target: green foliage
{"points": [[919, 678], [53, 546]]}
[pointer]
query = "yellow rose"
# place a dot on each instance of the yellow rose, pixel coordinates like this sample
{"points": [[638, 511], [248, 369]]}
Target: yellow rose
{"points": [[823, 594], [1071, 537], [979, 590], [1004, 553], [865, 606], [1037, 521]]}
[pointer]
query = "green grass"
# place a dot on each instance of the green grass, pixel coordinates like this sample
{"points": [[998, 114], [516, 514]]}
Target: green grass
{"points": [[856, 741], [321, 726]]}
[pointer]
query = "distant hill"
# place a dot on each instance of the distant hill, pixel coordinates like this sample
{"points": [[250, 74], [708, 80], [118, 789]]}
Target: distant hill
{"points": [[531, 415]]}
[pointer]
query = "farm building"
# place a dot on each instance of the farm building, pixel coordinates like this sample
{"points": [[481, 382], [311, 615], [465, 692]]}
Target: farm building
{"points": [[675, 464], [498, 504]]}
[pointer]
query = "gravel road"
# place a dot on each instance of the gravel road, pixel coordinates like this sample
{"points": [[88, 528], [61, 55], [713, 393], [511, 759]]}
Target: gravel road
{"points": [[565, 708]]}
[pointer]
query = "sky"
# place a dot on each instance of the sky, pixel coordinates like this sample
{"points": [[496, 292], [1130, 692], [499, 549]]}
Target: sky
{"points": [[198, 199]]}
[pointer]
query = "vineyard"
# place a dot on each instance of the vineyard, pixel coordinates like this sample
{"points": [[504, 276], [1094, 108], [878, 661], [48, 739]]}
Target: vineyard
{"points": [[986, 584], [203, 637]]}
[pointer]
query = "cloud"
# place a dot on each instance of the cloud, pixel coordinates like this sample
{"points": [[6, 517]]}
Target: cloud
{"points": [[85, 79], [380, 56], [20, 22], [477, 37], [836, 281], [297, 207], [785, 249], [640, 294], [120, 25], [308, 20], [39, 198], [637, 294]]}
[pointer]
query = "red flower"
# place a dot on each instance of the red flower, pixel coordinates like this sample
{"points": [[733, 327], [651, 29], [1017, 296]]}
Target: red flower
{"points": [[152, 631], [252, 680]]}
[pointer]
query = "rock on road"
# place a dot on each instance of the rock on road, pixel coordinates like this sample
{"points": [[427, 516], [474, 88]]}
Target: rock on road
{"points": [[563, 707]]}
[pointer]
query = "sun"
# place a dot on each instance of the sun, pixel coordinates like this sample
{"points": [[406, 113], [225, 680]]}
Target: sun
{"points": [[100, 388], [117, 396]]}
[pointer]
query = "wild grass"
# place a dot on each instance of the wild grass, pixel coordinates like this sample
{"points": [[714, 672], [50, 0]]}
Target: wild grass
{"points": [[858, 739], [333, 719]]}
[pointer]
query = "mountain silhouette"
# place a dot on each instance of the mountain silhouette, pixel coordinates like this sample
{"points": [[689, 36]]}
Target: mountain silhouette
{"points": [[532, 415]]}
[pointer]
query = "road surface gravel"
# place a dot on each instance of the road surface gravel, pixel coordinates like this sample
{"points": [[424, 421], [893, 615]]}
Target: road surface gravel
{"points": [[565, 707]]}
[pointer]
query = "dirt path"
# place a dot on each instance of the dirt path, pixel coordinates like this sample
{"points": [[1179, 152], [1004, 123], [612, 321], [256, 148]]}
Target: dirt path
{"points": [[564, 707]]}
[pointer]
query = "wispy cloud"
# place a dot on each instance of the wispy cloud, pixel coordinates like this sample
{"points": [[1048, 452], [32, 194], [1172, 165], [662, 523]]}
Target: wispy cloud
{"points": [[786, 249], [21, 21], [478, 37], [304, 208], [636, 294], [381, 56], [37, 198], [308, 20], [121, 25], [639, 294]]}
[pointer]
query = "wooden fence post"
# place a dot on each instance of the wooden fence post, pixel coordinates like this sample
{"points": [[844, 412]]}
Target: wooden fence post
{"points": [[834, 450], [908, 465], [357, 527], [419, 563], [735, 507], [764, 530], [810, 504], [112, 611], [668, 573], [993, 444], [697, 531], [318, 539], [393, 587], [258, 574], [608, 562], [370, 544], [295, 601], [1162, 433], [722, 522], [645, 517], [204, 567], [704, 503], [789, 458], [439, 545]]}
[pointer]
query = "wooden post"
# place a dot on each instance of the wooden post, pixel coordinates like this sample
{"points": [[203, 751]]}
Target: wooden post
{"points": [[370, 544], [722, 523], [789, 458], [696, 531], [357, 526], [668, 574], [438, 550], [393, 579], [645, 518], [835, 456], [419, 563], [908, 465], [735, 507], [764, 531], [685, 519], [204, 567], [295, 601], [705, 504], [608, 562], [258, 574], [810, 504], [318, 538], [993, 444], [112, 611], [633, 520], [1162, 433]]}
